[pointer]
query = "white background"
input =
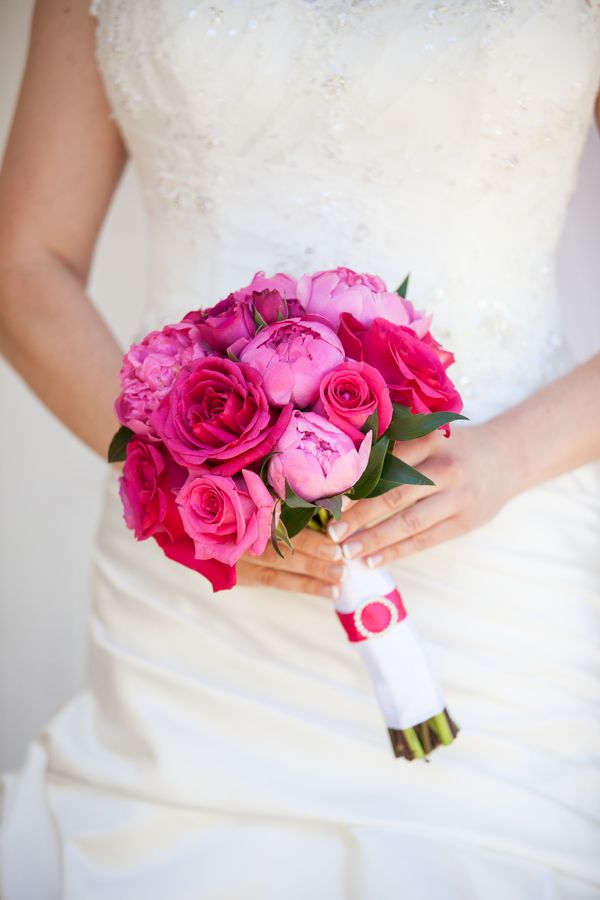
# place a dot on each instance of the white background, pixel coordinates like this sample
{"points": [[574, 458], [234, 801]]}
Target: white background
{"points": [[50, 484]]}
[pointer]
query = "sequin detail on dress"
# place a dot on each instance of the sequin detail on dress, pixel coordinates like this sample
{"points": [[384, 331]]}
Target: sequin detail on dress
{"points": [[436, 138]]}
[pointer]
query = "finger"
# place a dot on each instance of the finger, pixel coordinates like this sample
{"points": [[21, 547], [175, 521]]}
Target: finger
{"points": [[408, 522], [279, 579], [441, 531], [367, 512], [296, 561], [317, 544]]}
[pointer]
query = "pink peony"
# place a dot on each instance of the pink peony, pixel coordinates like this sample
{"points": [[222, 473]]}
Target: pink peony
{"points": [[316, 458], [352, 393], [292, 357], [330, 293], [411, 367], [226, 517], [217, 412], [149, 370]]}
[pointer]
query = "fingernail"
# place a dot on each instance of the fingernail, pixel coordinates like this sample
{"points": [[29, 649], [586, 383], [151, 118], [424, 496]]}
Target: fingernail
{"points": [[332, 592], [330, 551], [346, 502], [337, 530], [374, 561], [336, 572], [352, 549]]}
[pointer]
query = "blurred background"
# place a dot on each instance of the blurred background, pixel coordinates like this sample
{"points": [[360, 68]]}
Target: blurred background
{"points": [[50, 484]]}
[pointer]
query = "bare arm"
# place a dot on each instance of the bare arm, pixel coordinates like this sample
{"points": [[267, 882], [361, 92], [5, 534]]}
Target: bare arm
{"points": [[63, 161]]}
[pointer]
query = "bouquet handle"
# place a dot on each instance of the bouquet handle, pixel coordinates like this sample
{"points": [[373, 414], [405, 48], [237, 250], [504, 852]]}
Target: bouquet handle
{"points": [[372, 612]]}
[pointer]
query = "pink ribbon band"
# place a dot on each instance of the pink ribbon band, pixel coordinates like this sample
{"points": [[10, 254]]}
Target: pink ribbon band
{"points": [[374, 616]]}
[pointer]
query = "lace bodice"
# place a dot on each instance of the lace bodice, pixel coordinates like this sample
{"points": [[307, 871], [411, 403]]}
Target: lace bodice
{"points": [[437, 138]]}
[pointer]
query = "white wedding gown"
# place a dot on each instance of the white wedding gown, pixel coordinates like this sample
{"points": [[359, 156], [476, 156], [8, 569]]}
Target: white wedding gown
{"points": [[229, 746]]}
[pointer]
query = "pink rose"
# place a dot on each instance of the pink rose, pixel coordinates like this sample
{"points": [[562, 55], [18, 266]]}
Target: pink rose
{"points": [[149, 370], [352, 393], [332, 292], [292, 357], [410, 367], [217, 412], [147, 487], [316, 458], [226, 517]]}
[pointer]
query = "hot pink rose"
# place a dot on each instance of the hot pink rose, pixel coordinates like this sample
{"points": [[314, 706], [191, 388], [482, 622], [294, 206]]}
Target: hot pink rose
{"points": [[411, 368], [352, 393], [217, 412], [292, 357], [283, 284], [226, 517], [232, 322], [147, 487], [316, 458], [149, 370], [330, 293], [222, 325]]}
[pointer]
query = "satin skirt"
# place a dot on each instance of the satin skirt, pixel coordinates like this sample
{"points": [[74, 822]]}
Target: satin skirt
{"points": [[230, 746]]}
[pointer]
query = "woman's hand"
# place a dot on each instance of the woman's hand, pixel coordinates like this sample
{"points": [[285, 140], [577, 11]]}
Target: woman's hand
{"points": [[315, 566], [472, 482]]}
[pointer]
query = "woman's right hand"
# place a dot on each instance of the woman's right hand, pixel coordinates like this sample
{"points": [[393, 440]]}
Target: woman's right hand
{"points": [[314, 567]]}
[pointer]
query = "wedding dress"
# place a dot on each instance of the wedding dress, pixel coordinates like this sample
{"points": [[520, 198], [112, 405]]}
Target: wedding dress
{"points": [[230, 746]]}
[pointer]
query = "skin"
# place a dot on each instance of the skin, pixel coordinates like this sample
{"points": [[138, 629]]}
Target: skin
{"points": [[63, 161]]}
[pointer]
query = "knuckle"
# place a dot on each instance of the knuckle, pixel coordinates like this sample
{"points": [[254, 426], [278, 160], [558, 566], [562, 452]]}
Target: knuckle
{"points": [[392, 499], [452, 467], [422, 540], [411, 520]]}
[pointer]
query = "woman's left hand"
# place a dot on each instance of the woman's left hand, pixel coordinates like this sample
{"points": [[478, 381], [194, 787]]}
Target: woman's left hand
{"points": [[472, 476]]}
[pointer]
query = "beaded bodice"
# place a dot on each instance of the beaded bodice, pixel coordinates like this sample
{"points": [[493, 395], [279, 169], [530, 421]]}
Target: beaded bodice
{"points": [[437, 138]]}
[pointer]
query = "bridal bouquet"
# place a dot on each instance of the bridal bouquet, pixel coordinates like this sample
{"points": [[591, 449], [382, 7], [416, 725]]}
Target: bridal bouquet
{"points": [[249, 421]]}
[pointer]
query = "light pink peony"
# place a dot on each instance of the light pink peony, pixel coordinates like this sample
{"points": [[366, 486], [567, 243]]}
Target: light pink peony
{"points": [[149, 370], [316, 458], [226, 517], [331, 292], [292, 357]]}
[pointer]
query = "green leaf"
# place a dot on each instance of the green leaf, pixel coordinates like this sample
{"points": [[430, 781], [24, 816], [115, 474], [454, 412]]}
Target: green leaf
{"points": [[369, 478], [259, 321], [372, 424], [294, 501], [279, 533], [333, 505], [274, 528], [263, 469], [407, 428], [403, 289], [396, 472], [117, 450], [283, 313], [296, 518]]}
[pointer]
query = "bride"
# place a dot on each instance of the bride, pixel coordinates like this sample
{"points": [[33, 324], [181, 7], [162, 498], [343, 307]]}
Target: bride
{"points": [[230, 746]]}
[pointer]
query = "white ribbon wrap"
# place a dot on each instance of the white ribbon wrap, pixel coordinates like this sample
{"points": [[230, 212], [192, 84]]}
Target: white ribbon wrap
{"points": [[405, 683]]}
